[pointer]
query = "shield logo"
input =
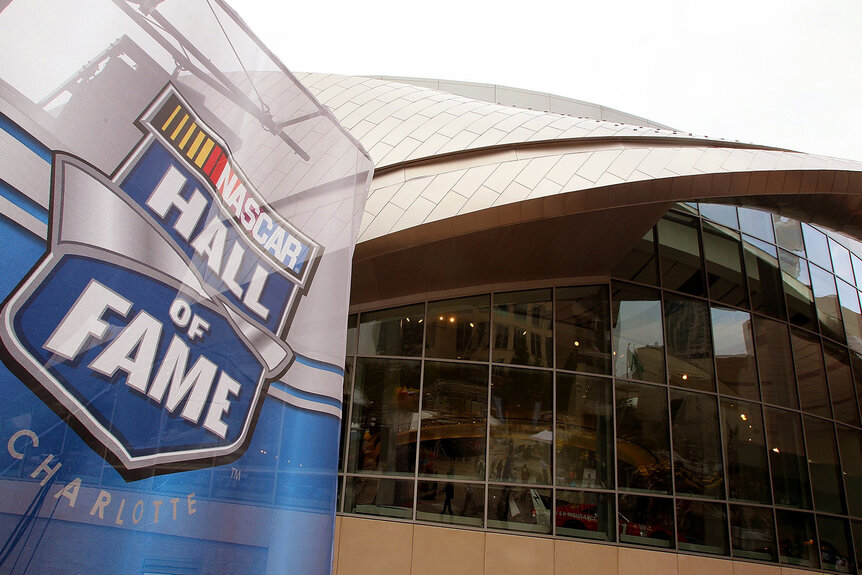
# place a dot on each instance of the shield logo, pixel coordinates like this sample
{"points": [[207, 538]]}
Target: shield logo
{"points": [[153, 320]]}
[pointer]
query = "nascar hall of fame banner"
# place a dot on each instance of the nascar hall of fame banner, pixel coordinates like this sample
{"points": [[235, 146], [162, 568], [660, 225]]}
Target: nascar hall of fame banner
{"points": [[177, 219]]}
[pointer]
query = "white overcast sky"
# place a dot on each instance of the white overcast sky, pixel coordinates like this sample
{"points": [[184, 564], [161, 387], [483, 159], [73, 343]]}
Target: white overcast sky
{"points": [[782, 73]]}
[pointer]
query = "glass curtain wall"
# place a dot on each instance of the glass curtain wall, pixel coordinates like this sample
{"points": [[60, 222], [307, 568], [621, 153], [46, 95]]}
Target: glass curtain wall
{"points": [[705, 398]]}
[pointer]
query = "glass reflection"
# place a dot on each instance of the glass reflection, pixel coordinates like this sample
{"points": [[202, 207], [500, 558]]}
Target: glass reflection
{"points": [[585, 515], [639, 264], [787, 459], [697, 464], [523, 328], [723, 255], [752, 533], [392, 331], [823, 463], [841, 384], [797, 290], [646, 520], [386, 497], [734, 353], [808, 358], [688, 343], [385, 416], [756, 223], [720, 213], [638, 342], [352, 328], [764, 278], [519, 508], [445, 501], [816, 247], [836, 545], [841, 261], [643, 442], [347, 391], [850, 445], [679, 254], [583, 329], [745, 450], [788, 234], [775, 362], [458, 328], [826, 301], [585, 431], [848, 298], [521, 420], [702, 527], [452, 435], [797, 539]]}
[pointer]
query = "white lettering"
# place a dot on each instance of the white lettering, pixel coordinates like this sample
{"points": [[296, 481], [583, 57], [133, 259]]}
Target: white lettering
{"points": [[195, 383], [10, 445], [142, 337], [220, 404], [167, 194]]}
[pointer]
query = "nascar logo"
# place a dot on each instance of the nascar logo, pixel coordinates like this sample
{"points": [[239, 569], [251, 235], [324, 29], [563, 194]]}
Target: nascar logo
{"points": [[158, 332]]}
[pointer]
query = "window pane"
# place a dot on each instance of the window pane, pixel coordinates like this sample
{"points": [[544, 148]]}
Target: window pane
{"points": [[585, 515], [856, 364], [836, 545], [638, 342], [788, 234], [797, 539], [734, 353], [823, 462], [745, 450], [841, 384], [643, 446], [764, 278], [523, 328], [702, 527], [521, 437], [697, 462], [848, 297], [450, 502], [639, 264], [857, 268], [392, 331], [679, 254], [386, 497], [454, 403], [775, 362], [385, 413], [857, 543], [345, 405], [723, 255], [752, 533], [585, 433], [583, 329], [458, 328], [808, 359], [826, 300], [850, 444], [519, 509], [646, 521], [351, 334], [797, 289], [841, 261], [720, 213], [756, 223], [787, 458], [689, 346], [816, 247]]}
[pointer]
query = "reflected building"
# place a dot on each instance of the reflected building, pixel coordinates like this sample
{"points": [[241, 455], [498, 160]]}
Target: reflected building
{"points": [[573, 323]]}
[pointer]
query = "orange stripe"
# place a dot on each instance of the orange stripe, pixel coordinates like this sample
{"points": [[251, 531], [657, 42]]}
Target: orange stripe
{"points": [[188, 135], [196, 144], [171, 119], [180, 127], [205, 152]]}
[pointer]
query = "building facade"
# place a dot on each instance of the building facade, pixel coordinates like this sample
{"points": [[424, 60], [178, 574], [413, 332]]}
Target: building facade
{"points": [[584, 342]]}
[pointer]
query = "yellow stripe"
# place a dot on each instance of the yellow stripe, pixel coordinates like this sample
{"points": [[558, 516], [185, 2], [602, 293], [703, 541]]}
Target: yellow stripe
{"points": [[205, 152], [188, 135], [171, 119], [194, 147], [180, 127]]}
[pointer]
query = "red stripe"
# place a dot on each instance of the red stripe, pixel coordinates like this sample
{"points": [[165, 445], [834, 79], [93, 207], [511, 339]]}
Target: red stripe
{"points": [[219, 168], [211, 160]]}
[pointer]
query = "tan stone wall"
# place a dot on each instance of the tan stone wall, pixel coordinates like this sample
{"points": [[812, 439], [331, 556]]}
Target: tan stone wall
{"points": [[374, 547]]}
